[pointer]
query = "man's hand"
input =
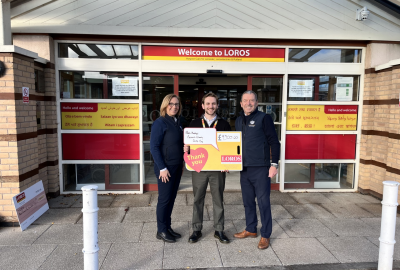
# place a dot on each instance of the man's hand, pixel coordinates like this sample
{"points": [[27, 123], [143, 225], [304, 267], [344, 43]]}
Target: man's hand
{"points": [[225, 171], [185, 148], [272, 171], [164, 176]]}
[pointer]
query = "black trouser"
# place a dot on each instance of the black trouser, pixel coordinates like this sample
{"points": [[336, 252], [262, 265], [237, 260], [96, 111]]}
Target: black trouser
{"points": [[217, 185], [166, 196], [255, 182]]}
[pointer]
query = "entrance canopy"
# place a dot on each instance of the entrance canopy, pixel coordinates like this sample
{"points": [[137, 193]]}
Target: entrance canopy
{"points": [[271, 19]]}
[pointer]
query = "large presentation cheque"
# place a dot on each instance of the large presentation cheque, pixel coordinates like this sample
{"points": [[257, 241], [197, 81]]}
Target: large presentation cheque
{"points": [[212, 150]]}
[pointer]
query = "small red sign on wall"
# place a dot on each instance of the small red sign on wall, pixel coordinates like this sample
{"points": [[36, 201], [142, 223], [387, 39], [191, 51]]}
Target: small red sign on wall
{"points": [[25, 94]]}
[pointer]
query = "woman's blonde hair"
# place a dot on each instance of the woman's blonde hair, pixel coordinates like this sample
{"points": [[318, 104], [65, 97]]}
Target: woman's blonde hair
{"points": [[165, 104]]}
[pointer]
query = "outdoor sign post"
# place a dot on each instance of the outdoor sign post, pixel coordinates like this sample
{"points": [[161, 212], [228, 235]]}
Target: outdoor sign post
{"points": [[212, 150], [30, 204]]}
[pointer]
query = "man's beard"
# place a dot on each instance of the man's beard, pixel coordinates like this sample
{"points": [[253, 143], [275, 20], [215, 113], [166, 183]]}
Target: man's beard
{"points": [[214, 112]]}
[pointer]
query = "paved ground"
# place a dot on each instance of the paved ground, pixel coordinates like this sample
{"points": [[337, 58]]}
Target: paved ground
{"points": [[310, 231]]}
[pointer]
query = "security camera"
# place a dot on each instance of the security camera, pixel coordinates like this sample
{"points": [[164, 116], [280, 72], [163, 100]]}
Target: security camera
{"points": [[362, 14]]}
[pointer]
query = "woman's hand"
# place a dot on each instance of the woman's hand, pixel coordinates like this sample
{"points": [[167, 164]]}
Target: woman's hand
{"points": [[164, 176]]}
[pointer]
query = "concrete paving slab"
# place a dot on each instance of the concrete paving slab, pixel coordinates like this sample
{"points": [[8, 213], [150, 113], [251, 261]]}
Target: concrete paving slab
{"points": [[140, 214], [64, 201], [345, 198], [102, 201], [134, 256], [71, 256], [207, 199], [59, 216], [305, 228], [203, 254], [180, 199], [62, 234], [185, 213], [209, 230], [308, 211], [244, 253], [109, 215], [351, 249], [346, 210], [119, 232], [369, 198], [349, 227], [277, 197], [278, 212], [277, 231], [292, 251], [232, 212], [375, 223], [24, 257], [13, 236], [310, 198], [149, 231], [373, 208], [133, 200], [233, 198]]}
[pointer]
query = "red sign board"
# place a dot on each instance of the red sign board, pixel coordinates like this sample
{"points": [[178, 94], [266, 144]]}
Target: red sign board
{"points": [[25, 94], [213, 54]]}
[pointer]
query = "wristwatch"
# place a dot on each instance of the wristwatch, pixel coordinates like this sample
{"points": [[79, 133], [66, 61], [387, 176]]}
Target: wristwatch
{"points": [[275, 165]]}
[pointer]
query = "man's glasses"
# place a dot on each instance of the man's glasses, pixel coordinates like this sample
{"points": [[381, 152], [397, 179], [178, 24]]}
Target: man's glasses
{"points": [[173, 104]]}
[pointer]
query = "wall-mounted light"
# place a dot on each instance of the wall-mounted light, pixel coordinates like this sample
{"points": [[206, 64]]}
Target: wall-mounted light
{"points": [[2, 69], [214, 71], [362, 14]]}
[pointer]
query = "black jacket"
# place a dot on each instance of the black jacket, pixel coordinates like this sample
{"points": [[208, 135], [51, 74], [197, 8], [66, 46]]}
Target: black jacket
{"points": [[166, 142], [222, 125], [259, 139]]}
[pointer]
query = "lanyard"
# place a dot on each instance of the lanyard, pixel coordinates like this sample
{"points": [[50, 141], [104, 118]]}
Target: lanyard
{"points": [[215, 124]]}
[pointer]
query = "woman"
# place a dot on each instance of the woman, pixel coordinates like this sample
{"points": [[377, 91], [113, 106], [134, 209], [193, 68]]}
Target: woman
{"points": [[166, 146]]}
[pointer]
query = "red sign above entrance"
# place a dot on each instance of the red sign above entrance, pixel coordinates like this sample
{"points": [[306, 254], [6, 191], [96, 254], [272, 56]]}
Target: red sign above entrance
{"points": [[213, 54]]}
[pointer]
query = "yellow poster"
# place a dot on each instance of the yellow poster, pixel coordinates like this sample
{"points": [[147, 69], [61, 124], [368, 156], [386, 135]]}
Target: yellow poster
{"points": [[212, 150], [99, 116], [321, 117]]}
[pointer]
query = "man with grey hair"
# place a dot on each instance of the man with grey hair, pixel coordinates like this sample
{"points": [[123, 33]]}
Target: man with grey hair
{"points": [[260, 145]]}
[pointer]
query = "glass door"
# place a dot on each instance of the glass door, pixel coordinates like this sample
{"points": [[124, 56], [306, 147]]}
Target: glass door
{"points": [[269, 92], [155, 88]]}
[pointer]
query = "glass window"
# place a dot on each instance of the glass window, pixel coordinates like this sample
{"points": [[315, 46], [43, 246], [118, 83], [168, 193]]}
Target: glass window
{"points": [[98, 85], [98, 51], [319, 175], [316, 55], [103, 175], [323, 87]]}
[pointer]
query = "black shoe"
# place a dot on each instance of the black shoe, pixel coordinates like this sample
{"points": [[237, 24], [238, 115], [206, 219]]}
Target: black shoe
{"points": [[174, 234], [195, 236], [166, 237], [221, 237]]}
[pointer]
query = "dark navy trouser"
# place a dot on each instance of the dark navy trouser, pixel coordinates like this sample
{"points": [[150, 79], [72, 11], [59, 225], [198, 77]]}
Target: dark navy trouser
{"points": [[255, 183], [166, 196]]}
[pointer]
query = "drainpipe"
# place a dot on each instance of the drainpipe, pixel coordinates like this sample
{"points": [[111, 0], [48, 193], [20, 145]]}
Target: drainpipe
{"points": [[90, 228], [388, 225], [5, 23]]}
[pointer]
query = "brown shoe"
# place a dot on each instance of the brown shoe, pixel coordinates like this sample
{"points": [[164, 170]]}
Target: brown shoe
{"points": [[245, 234], [264, 243]]}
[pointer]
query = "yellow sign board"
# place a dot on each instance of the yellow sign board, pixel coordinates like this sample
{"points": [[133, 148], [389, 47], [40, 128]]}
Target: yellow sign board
{"points": [[212, 150], [321, 117], [99, 116]]}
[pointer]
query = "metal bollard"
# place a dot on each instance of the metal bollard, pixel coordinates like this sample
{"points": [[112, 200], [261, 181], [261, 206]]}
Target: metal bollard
{"points": [[90, 228], [388, 225]]}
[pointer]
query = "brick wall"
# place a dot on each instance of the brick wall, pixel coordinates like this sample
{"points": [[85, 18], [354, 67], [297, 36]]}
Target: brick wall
{"points": [[27, 154], [380, 139]]}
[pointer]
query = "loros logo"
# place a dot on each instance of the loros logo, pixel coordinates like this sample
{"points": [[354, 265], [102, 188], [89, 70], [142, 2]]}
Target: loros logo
{"points": [[124, 81], [301, 83], [20, 197], [231, 159]]}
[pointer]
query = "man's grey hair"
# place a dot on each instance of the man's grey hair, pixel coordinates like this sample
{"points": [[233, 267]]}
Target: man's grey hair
{"points": [[249, 92]]}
